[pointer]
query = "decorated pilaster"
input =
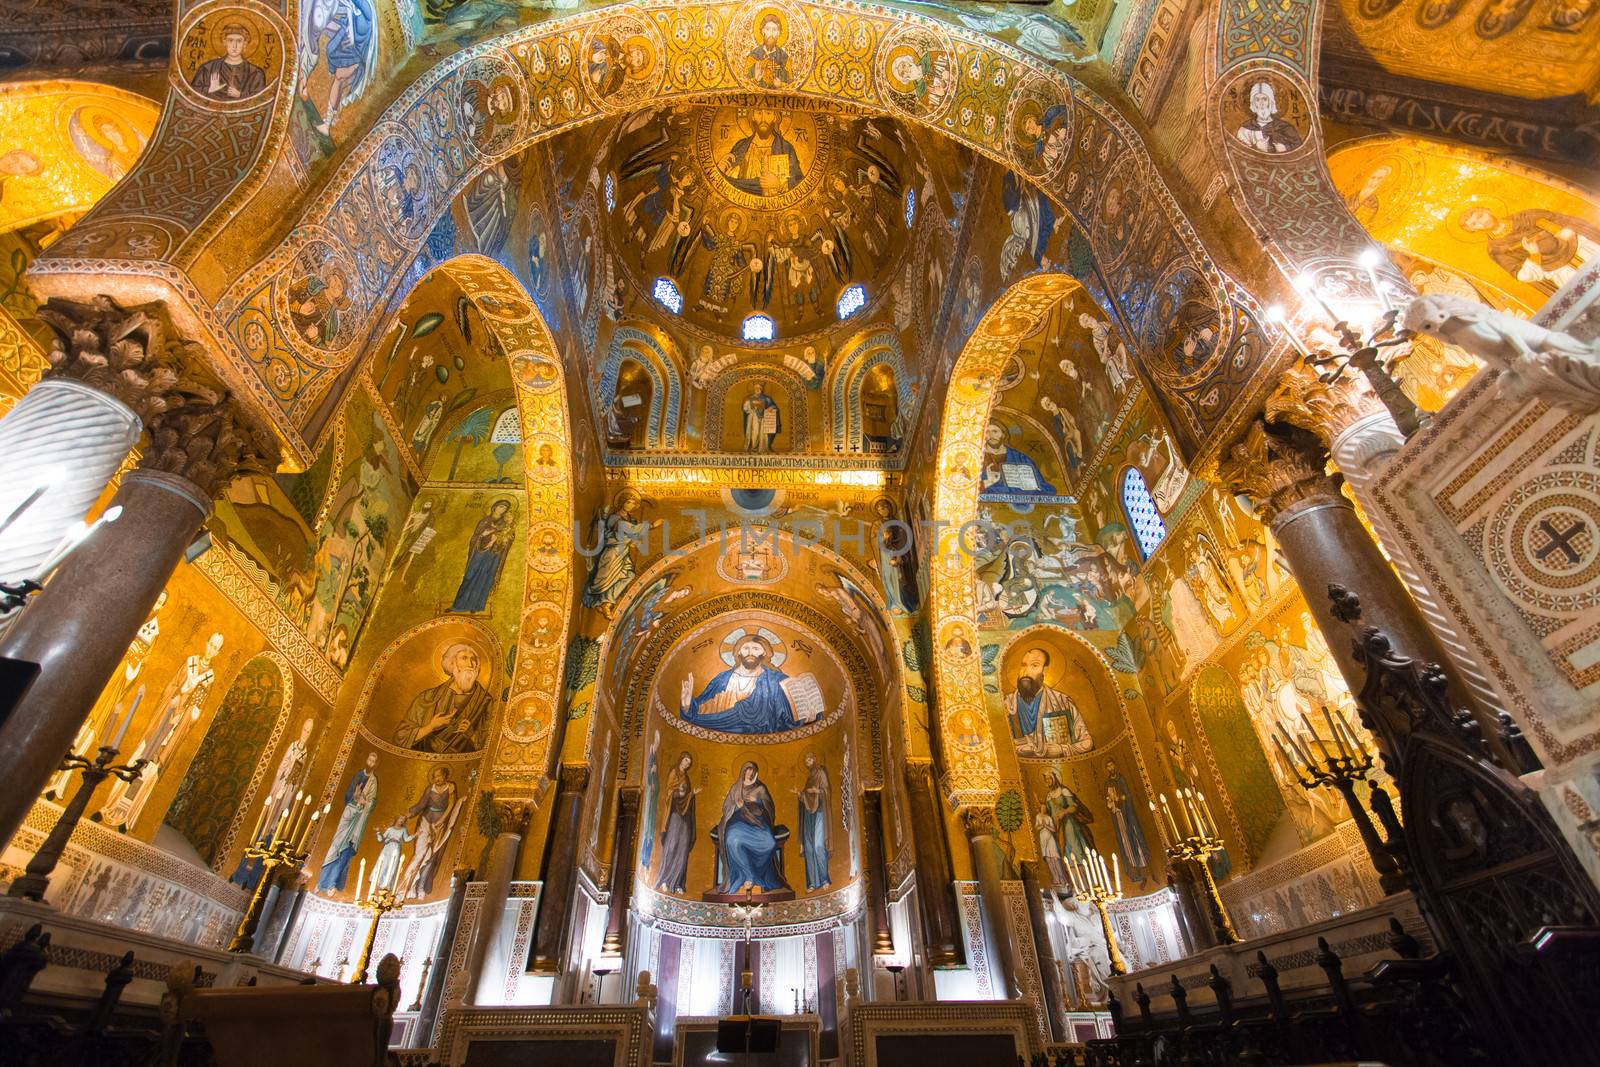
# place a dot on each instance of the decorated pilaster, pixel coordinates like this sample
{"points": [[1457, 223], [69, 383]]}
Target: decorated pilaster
{"points": [[76, 629]]}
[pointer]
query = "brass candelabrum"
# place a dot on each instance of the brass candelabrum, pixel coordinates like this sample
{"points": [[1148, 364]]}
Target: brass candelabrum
{"points": [[35, 878], [1361, 350], [1195, 840], [1338, 761], [1092, 881], [380, 902], [287, 846]]}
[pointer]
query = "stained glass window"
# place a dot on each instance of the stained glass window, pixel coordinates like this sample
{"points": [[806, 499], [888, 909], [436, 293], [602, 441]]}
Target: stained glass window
{"points": [[1148, 529], [666, 293], [758, 328], [852, 300], [611, 193], [911, 206]]}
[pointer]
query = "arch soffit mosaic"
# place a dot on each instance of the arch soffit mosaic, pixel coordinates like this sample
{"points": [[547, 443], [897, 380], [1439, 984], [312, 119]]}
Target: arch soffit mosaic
{"points": [[527, 733], [376, 208], [965, 740]]}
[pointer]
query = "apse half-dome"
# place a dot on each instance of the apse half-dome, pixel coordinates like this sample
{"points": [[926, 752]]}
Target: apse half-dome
{"points": [[762, 208]]}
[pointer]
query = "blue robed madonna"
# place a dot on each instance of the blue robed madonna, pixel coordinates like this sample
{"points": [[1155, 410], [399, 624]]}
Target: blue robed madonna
{"points": [[745, 699], [747, 837]]}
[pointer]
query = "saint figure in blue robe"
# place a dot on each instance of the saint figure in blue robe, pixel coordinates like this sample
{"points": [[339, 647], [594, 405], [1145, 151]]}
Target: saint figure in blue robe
{"points": [[747, 698], [486, 555], [813, 810], [747, 838]]}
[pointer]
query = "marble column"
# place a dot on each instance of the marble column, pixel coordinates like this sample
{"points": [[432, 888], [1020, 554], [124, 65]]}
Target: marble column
{"points": [[877, 871], [1055, 994], [1284, 470], [78, 628], [624, 847], [935, 875], [112, 370], [439, 967], [1361, 436], [1004, 958], [560, 874], [499, 868]]}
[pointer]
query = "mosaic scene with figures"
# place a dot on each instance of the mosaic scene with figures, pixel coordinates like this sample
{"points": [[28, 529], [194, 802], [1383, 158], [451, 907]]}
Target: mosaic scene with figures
{"points": [[673, 532]]}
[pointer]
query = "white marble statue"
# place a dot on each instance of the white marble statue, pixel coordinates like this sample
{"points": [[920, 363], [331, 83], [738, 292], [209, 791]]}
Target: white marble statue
{"points": [[1534, 363]]}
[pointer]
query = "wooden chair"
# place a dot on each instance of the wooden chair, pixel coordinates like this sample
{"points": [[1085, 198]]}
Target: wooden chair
{"points": [[304, 1025]]}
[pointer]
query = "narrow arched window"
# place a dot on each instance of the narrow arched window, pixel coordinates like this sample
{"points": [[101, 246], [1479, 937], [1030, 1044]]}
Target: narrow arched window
{"points": [[911, 205], [1148, 529], [667, 295], [852, 300], [758, 328]]}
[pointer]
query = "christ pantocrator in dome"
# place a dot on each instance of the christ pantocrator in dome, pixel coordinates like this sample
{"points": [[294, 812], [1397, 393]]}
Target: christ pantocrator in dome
{"points": [[763, 162]]}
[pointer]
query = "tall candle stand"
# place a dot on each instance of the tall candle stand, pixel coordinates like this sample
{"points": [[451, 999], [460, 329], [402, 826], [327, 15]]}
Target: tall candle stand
{"points": [[380, 902], [287, 847], [1339, 761], [1195, 840], [1091, 881], [35, 878], [1360, 350]]}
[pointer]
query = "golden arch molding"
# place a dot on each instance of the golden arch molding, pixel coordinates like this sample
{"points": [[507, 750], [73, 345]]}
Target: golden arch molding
{"points": [[1006, 105]]}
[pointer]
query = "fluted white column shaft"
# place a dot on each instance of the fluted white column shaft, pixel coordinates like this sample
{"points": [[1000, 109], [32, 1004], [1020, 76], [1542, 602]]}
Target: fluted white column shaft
{"points": [[71, 438]]}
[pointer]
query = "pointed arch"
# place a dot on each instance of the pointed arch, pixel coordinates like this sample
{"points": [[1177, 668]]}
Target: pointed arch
{"points": [[532, 709], [649, 348], [966, 743], [860, 355]]}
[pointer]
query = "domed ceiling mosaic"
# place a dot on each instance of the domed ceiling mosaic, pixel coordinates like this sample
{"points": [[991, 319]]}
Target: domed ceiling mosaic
{"points": [[761, 206]]}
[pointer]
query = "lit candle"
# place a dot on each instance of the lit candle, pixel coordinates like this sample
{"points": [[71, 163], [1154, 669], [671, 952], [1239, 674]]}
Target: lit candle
{"points": [[1205, 810], [1116, 875], [361, 878], [305, 835], [1276, 316], [1369, 260], [277, 831], [1307, 284], [261, 822], [1167, 810], [1194, 813], [127, 719]]}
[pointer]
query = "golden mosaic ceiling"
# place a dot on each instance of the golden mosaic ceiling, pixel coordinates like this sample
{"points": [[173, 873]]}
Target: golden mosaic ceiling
{"points": [[759, 205]]}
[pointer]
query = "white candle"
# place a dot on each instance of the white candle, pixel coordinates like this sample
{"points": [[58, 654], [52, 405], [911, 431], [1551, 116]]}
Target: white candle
{"points": [[127, 719], [361, 878], [1116, 874]]}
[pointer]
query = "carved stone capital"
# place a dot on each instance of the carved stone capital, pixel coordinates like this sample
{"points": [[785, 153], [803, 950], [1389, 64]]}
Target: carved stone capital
{"points": [[209, 438], [198, 430], [1326, 409], [133, 354], [513, 815], [979, 821], [574, 777], [1280, 466]]}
